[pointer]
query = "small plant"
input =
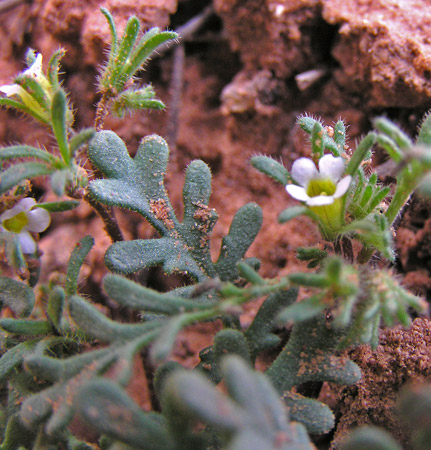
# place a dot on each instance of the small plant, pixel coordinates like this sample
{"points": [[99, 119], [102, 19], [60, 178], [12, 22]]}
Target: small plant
{"points": [[64, 360]]}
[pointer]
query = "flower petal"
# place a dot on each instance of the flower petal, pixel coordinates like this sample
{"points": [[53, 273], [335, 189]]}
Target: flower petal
{"points": [[38, 220], [36, 68], [342, 186], [331, 167], [303, 170], [28, 245], [320, 200], [10, 89], [25, 204], [297, 192]]}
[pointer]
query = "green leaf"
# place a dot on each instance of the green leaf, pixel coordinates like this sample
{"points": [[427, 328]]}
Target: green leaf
{"points": [[55, 307], [303, 310], [378, 197], [272, 168], [132, 295], [340, 135], [230, 342], [316, 137], [59, 123], [136, 99], [13, 250], [152, 39], [59, 180], [309, 279], [17, 436], [113, 29], [319, 137], [14, 358], [291, 213], [247, 272], [124, 50], [251, 414], [361, 153], [17, 296], [25, 327], [54, 67], [260, 334], [34, 89], [391, 130], [26, 151], [315, 361], [113, 413], [243, 230], [164, 343], [424, 135], [131, 256], [10, 103], [80, 139], [307, 254], [190, 394], [138, 184], [79, 253], [65, 205], [391, 147], [97, 325], [19, 172]]}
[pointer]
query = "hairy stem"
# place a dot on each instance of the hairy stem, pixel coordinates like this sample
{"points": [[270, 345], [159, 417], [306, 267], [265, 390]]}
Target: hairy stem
{"points": [[101, 112]]}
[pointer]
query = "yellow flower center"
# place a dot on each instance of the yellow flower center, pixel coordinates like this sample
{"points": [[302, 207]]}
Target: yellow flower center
{"points": [[16, 223], [321, 186]]}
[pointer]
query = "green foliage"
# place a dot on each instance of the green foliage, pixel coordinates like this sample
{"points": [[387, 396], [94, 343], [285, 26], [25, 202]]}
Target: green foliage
{"points": [[126, 57], [324, 138], [138, 184], [17, 296], [241, 420], [317, 362], [271, 167]]}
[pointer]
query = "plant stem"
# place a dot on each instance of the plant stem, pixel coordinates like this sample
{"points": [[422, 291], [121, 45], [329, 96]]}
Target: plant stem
{"points": [[101, 112], [108, 217]]}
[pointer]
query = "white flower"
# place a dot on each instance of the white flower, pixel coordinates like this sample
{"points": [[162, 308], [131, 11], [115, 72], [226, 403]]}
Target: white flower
{"points": [[318, 187], [35, 70], [24, 218]]}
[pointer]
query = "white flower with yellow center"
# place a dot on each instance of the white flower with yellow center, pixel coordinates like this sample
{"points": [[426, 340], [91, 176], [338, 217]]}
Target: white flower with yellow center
{"points": [[322, 190], [24, 218]]}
